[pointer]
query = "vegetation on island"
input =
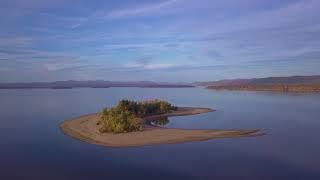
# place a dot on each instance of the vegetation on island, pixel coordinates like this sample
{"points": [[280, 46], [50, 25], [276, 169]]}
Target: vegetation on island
{"points": [[126, 116]]}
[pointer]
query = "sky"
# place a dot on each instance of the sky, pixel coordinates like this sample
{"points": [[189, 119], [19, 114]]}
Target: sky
{"points": [[157, 40]]}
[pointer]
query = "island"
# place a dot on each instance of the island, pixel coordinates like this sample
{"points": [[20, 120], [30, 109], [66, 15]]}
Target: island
{"points": [[129, 124]]}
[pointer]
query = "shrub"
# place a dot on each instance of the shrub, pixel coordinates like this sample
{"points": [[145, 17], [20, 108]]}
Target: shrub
{"points": [[119, 120]]}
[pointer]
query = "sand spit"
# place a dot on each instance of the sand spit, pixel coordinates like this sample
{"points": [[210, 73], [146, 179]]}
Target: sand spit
{"points": [[85, 128]]}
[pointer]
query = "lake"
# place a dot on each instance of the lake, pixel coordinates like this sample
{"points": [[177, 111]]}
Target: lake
{"points": [[33, 147]]}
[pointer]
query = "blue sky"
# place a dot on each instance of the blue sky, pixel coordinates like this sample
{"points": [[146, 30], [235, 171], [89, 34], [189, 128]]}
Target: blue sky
{"points": [[158, 40]]}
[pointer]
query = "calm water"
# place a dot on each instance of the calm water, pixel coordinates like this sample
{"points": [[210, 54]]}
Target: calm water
{"points": [[32, 146]]}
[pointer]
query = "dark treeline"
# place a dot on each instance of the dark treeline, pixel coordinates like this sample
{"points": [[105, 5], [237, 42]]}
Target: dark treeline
{"points": [[125, 116], [145, 108]]}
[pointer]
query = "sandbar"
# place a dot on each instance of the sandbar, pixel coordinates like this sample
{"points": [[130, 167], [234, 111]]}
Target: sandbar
{"points": [[85, 128]]}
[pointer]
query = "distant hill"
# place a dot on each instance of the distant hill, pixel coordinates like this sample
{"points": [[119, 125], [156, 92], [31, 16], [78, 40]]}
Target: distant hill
{"points": [[263, 81], [222, 82], [89, 84], [282, 84]]}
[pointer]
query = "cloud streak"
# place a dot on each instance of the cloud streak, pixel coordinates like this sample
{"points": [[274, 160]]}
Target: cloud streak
{"points": [[164, 39], [145, 9]]}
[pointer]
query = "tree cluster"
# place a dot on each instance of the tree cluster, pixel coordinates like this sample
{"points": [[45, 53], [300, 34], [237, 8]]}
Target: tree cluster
{"points": [[125, 116]]}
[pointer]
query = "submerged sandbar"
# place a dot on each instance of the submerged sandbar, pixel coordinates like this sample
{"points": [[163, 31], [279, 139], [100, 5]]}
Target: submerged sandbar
{"points": [[85, 128]]}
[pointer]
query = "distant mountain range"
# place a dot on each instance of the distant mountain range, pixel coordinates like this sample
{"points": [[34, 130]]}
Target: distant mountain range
{"points": [[89, 84], [263, 81], [281, 84], [292, 83]]}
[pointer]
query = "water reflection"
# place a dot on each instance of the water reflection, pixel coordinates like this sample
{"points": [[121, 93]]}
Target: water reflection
{"points": [[161, 121]]}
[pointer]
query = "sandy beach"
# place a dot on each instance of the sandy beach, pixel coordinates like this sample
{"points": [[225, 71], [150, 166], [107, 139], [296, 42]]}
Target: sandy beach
{"points": [[85, 128]]}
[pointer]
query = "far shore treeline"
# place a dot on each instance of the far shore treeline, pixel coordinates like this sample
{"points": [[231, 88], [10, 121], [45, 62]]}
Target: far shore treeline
{"points": [[126, 116]]}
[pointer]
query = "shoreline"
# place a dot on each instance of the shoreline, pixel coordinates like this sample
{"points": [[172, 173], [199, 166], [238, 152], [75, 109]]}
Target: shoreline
{"points": [[282, 88], [85, 128]]}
